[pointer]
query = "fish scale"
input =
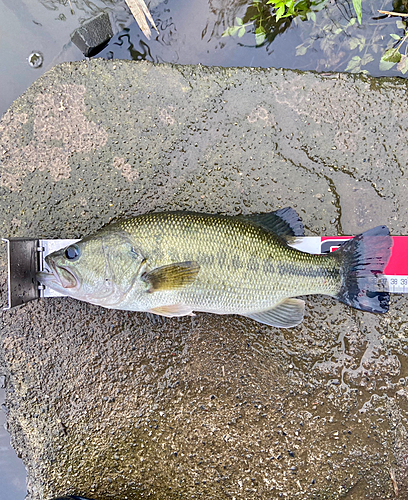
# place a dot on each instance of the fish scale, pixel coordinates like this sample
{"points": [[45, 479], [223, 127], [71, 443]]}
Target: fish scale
{"points": [[242, 266]]}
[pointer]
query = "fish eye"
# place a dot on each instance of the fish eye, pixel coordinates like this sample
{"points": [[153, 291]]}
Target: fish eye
{"points": [[72, 252]]}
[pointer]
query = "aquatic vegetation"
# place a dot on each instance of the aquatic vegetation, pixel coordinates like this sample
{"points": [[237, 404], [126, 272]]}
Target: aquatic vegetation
{"points": [[337, 30], [274, 10], [339, 40], [393, 55], [302, 8], [267, 17]]}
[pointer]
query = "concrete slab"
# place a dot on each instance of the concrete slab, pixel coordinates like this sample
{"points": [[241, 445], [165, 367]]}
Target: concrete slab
{"points": [[109, 404]]}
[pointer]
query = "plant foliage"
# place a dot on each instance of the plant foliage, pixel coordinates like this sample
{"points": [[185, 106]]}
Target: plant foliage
{"points": [[280, 9], [343, 42]]}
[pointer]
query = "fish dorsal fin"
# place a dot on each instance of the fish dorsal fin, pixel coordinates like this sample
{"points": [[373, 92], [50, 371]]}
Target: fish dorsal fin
{"points": [[171, 277], [173, 311], [286, 314], [285, 222]]}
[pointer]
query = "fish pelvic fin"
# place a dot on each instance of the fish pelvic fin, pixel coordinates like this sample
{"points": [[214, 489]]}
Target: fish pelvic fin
{"points": [[171, 277], [171, 311], [363, 260], [286, 314]]}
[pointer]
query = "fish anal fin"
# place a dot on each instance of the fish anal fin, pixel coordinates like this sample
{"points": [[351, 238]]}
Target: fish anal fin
{"points": [[286, 314], [172, 310], [171, 277], [285, 222]]}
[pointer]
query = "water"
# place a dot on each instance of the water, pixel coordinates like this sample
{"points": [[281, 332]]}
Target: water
{"points": [[191, 33], [12, 471]]}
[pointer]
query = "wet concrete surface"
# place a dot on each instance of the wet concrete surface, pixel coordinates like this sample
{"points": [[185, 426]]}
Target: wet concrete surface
{"points": [[110, 404]]}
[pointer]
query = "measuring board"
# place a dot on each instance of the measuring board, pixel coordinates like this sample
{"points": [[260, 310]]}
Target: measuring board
{"points": [[27, 256]]}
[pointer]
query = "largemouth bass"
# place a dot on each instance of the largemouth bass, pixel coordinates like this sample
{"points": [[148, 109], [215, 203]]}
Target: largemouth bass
{"points": [[175, 263]]}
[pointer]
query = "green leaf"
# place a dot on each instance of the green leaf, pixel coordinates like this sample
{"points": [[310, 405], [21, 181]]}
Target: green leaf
{"points": [[391, 55], [231, 31], [389, 59], [291, 9], [354, 64], [400, 24], [301, 50], [238, 21], [366, 59], [395, 37], [259, 38], [280, 12], [358, 9], [354, 43], [385, 66], [241, 31]]}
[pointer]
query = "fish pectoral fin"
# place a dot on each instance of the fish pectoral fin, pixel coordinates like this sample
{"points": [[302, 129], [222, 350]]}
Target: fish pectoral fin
{"points": [[172, 311], [171, 277], [286, 314]]}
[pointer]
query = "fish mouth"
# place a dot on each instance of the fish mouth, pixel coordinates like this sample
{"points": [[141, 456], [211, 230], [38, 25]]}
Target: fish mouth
{"points": [[59, 277]]}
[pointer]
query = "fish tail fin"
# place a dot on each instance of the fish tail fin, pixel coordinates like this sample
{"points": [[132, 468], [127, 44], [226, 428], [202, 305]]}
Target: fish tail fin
{"points": [[363, 260]]}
